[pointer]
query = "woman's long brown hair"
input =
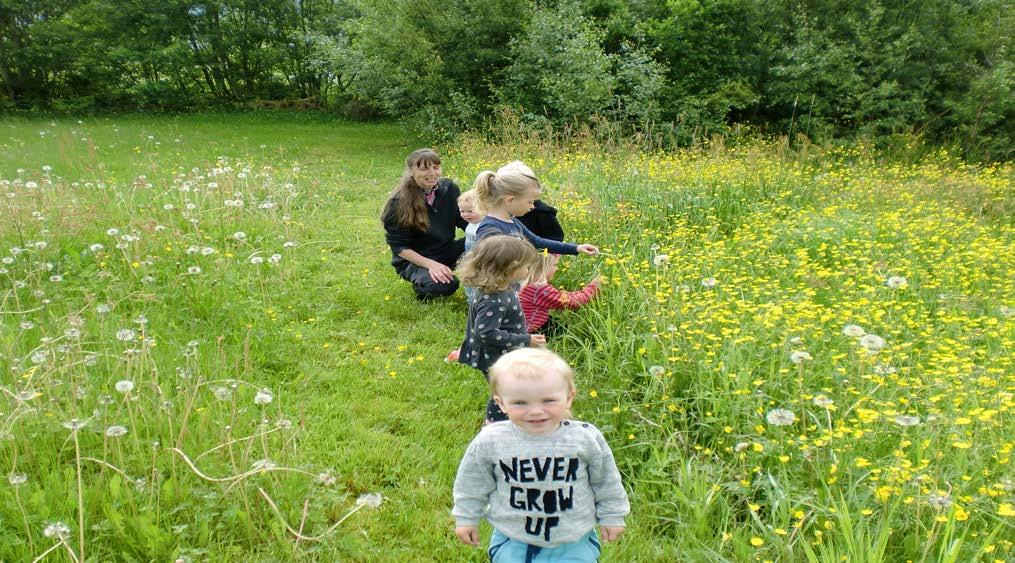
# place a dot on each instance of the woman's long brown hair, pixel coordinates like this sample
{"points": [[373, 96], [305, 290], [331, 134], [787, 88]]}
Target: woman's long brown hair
{"points": [[405, 203]]}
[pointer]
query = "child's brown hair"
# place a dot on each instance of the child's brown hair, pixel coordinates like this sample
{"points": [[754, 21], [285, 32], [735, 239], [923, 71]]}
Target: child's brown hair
{"points": [[490, 264]]}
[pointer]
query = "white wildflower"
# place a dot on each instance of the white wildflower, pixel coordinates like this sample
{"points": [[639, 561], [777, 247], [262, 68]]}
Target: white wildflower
{"points": [[124, 386]]}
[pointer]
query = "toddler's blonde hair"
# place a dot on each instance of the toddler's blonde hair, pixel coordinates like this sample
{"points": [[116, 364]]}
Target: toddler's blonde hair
{"points": [[543, 264], [470, 196], [531, 363]]}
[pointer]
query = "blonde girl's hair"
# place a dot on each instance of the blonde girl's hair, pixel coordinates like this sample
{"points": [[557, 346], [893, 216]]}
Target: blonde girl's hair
{"points": [[405, 204], [469, 196], [489, 265], [531, 363], [512, 179], [543, 264]]}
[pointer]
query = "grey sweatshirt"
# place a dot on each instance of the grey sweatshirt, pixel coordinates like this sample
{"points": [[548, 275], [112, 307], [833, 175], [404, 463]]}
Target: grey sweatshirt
{"points": [[540, 490]]}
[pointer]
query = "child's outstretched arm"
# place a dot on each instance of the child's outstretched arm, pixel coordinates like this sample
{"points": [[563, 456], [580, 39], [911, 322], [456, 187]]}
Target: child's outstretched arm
{"points": [[549, 297]]}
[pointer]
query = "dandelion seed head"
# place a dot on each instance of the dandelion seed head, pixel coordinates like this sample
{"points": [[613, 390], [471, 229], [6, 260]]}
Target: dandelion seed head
{"points": [[939, 500], [263, 397], [800, 356], [872, 343], [75, 424], [326, 479], [17, 479], [709, 283], [115, 431], [370, 500], [124, 386], [222, 393], [822, 401], [780, 417], [125, 335], [656, 371], [906, 420], [854, 331], [56, 530], [262, 465], [897, 282]]}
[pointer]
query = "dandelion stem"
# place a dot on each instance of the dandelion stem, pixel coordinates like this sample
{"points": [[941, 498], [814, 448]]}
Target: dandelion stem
{"points": [[251, 437], [81, 500], [24, 518], [43, 555], [296, 533]]}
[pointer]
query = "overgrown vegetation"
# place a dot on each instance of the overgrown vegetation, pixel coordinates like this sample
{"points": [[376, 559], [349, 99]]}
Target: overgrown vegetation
{"points": [[939, 69], [799, 354]]}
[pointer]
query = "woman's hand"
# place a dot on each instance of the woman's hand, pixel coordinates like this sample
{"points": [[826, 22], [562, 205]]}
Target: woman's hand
{"points": [[440, 273], [589, 249], [537, 341]]}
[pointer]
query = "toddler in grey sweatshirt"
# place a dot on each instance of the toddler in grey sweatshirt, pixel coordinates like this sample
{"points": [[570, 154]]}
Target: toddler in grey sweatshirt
{"points": [[543, 481]]}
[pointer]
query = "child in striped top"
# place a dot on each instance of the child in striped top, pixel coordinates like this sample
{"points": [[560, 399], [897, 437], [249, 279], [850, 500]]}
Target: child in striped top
{"points": [[538, 297]]}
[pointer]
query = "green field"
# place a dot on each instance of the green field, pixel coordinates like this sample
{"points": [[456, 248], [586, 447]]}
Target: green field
{"points": [[205, 354]]}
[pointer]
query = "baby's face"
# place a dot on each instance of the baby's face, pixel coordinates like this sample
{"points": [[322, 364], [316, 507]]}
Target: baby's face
{"points": [[469, 213], [536, 406]]}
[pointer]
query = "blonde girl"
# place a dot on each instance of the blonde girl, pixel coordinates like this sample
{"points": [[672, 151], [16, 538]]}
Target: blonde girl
{"points": [[511, 192], [495, 323]]}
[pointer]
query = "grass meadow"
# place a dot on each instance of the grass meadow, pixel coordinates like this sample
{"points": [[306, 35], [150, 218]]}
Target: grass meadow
{"points": [[799, 355]]}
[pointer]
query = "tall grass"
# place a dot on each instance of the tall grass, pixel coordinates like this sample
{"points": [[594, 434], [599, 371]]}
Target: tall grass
{"points": [[205, 354]]}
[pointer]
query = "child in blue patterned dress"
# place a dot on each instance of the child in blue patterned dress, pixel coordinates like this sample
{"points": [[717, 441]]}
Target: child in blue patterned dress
{"points": [[495, 324]]}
